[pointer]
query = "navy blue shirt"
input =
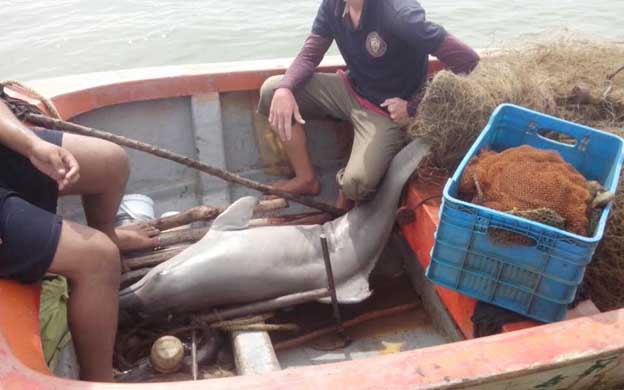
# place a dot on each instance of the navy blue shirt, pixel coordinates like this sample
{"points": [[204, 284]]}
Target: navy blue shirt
{"points": [[387, 54]]}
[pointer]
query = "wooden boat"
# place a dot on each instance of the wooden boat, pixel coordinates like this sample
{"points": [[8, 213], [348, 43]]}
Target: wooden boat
{"points": [[207, 111]]}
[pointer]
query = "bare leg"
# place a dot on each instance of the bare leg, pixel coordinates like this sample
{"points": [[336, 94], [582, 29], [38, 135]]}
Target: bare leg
{"points": [[305, 181], [104, 171], [90, 261]]}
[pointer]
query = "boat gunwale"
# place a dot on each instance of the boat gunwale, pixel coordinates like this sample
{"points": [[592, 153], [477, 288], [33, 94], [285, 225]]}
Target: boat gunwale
{"points": [[464, 362]]}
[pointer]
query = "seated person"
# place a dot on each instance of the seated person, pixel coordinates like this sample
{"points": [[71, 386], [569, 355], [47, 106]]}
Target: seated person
{"points": [[386, 46], [36, 168]]}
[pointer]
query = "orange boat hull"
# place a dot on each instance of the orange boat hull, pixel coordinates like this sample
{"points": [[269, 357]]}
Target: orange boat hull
{"points": [[579, 353]]}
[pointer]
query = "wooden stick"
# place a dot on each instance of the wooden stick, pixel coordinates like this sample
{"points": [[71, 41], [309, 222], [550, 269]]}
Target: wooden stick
{"points": [[189, 236], [265, 306], [293, 217], [243, 321], [262, 327], [182, 236], [313, 218], [193, 235], [52, 123], [347, 324], [154, 258], [245, 325], [612, 75], [194, 214], [207, 213], [130, 277], [268, 205]]}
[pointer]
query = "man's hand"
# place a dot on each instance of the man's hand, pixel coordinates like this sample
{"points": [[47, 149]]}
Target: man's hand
{"points": [[283, 108], [398, 110], [56, 162]]}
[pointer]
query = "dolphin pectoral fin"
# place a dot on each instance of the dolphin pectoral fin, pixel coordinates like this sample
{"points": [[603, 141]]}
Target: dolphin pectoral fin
{"points": [[354, 290], [237, 216]]}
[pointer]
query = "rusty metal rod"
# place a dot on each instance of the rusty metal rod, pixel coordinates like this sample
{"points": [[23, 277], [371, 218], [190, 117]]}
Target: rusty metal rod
{"points": [[332, 285]]}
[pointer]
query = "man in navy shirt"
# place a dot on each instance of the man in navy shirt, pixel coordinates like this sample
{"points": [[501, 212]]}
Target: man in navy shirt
{"points": [[386, 46]]}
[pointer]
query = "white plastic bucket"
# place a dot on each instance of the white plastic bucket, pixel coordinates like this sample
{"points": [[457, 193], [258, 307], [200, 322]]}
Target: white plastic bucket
{"points": [[169, 214], [134, 207]]}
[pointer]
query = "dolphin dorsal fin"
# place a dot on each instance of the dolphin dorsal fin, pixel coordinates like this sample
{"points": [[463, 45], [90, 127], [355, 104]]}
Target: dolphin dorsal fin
{"points": [[237, 216]]}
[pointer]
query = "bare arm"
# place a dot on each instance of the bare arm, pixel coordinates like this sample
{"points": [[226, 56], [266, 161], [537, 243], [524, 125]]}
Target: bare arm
{"points": [[284, 106], [50, 159]]}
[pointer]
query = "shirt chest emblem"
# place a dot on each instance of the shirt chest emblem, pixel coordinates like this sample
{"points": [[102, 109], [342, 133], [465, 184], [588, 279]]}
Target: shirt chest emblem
{"points": [[375, 45]]}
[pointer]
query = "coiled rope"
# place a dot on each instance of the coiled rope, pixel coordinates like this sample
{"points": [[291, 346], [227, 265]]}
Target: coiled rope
{"points": [[20, 106]]}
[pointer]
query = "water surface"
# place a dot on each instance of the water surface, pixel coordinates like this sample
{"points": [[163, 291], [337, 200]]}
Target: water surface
{"points": [[48, 38]]}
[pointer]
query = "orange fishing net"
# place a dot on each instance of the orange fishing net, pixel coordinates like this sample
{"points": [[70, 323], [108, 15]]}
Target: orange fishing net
{"points": [[524, 179]]}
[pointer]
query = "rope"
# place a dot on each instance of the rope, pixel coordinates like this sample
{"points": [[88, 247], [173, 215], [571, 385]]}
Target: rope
{"points": [[50, 107]]}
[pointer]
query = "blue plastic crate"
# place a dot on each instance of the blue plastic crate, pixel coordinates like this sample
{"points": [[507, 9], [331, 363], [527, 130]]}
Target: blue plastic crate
{"points": [[539, 280]]}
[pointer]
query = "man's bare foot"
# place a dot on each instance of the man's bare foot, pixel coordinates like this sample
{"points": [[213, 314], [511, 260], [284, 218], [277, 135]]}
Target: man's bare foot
{"points": [[137, 237], [343, 202], [299, 186]]}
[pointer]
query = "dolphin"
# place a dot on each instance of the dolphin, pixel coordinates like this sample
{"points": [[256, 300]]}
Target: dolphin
{"points": [[234, 264]]}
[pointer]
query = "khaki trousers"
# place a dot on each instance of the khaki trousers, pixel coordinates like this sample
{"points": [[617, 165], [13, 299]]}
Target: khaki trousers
{"points": [[376, 138]]}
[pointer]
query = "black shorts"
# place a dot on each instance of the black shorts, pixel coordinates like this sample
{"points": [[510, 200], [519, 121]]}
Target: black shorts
{"points": [[29, 227]]}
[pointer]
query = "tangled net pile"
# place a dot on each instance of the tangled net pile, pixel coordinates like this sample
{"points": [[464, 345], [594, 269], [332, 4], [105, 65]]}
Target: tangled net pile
{"points": [[574, 80], [523, 179]]}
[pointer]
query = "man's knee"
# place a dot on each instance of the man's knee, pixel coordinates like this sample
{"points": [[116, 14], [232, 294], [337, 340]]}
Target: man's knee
{"points": [[355, 185], [266, 94], [104, 262], [118, 162]]}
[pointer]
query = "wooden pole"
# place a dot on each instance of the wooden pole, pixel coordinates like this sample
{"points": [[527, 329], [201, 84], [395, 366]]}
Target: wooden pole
{"points": [[207, 213], [51, 123], [180, 236], [269, 205], [188, 236], [265, 306], [152, 259], [192, 235], [130, 277], [195, 214]]}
